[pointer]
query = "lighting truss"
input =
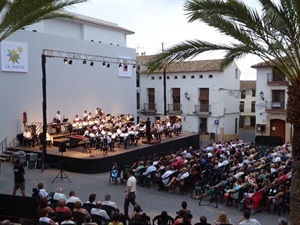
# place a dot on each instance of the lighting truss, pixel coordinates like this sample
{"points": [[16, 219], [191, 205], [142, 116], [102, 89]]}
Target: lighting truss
{"points": [[88, 57]]}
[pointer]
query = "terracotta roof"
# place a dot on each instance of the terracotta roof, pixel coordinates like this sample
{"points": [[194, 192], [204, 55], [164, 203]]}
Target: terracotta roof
{"points": [[188, 66], [261, 64], [247, 85]]}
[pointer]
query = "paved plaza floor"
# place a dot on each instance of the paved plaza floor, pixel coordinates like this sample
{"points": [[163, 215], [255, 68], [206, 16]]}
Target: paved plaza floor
{"points": [[151, 200]]}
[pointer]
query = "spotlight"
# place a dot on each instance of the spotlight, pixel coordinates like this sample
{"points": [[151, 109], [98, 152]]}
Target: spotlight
{"points": [[34, 30], [108, 65], [125, 67], [70, 62], [133, 66], [92, 64], [65, 60], [111, 43], [120, 64], [84, 62], [138, 67], [103, 64], [92, 40], [100, 42]]}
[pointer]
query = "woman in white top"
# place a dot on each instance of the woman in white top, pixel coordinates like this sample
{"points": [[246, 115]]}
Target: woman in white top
{"points": [[44, 217]]}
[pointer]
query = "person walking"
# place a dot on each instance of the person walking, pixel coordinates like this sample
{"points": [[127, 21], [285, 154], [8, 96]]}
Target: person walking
{"points": [[130, 192], [19, 181]]}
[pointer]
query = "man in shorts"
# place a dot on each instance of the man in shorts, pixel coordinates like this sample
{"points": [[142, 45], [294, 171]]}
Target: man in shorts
{"points": [[19, 178]]}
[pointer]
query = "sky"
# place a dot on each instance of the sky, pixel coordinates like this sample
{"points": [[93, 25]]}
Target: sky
{"points": [[159, 24]]}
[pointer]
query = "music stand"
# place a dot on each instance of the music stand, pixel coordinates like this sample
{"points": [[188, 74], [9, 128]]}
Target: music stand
{"points": [[61, 174]]}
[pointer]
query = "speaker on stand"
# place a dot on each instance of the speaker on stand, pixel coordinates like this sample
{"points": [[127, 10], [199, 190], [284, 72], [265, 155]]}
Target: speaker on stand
{"points": [[61, 174]]}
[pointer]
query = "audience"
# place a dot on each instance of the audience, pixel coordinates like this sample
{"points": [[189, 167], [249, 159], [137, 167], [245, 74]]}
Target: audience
{"points": [[246, 219], [107, 201], [78, 208], [68, 219], [73, 198], [100, 212], [44, 217], [115, 219], [61, 206], [92, 199], [222, 219], [58, 194]]}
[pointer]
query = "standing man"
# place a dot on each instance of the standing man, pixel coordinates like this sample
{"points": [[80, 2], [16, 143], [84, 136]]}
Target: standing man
{"points": [[246, 219], [130, 191], [148, 129], [19, 178]]}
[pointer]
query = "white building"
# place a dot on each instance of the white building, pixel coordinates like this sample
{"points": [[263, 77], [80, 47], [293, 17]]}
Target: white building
{"points": [[70, 88], [271, 103], [205, 97], [247, 104]]}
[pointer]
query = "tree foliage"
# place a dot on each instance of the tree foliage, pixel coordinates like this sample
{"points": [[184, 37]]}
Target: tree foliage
{"points": [[16, 14]]}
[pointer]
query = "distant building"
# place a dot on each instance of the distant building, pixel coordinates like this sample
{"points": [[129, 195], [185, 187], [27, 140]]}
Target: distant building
{"points": [[271, 103], [247, 104], [199, 93]]}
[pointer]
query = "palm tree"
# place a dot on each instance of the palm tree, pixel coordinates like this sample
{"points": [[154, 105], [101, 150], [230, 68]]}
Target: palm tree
{"points": [[16, 14], [271, 33]]}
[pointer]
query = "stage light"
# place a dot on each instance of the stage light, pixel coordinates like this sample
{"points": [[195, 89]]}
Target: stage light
{"points": [[133, 66], [138, 67], [120, 64], [84, 62], [103, 64], [100, 42], [92, 64], [125, 67], [92, 40], [70, 62], [65, 60], [111, 43], [108, 65]]}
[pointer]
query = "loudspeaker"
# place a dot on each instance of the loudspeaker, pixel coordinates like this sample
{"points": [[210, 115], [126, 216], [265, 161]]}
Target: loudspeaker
{"points": [[62, 147]]}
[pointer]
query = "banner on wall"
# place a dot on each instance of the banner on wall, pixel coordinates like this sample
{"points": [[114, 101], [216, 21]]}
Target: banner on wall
{"points": [[125, 70], [14, 57]]}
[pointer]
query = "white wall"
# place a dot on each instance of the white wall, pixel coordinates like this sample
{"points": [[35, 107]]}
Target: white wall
{"points": [[70, 89]]}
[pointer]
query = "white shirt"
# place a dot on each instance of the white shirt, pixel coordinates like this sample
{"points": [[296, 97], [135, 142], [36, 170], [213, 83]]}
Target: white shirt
{"points": [[165, 176], [110, 203], [57, 116], [73, 199], [100, 212], [45, 219], [27, 134], [43, 193], [58, 196], [149, 170], [249, 222], [131, 182]]}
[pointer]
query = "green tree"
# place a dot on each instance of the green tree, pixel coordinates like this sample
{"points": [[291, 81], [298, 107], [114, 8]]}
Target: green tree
{"points": [[16, 14], [271, 32]]}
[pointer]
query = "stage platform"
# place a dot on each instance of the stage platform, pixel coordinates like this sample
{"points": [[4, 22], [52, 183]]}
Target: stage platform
{"points": [[75, 160]]}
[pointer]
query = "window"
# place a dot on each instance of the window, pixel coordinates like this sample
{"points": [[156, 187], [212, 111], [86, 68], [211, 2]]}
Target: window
{"points": [[210, 76], [183, 77], [278, 101], [137, 100], [204, 99], [151, 98], [200, 76], [277, 75], [176, 99], [242, 106], [236, 73], [203, 125], [252, 121], [253, 106], [253, 92], [235, 125], [243, 94]]}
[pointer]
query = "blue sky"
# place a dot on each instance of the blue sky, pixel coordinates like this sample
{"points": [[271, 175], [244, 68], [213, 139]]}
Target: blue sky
{"points": [[158, 21]]}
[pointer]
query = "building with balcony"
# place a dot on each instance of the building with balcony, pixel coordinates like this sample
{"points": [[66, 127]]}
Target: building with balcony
{"points": [[247, 104], [271, 102], [199, 93]]}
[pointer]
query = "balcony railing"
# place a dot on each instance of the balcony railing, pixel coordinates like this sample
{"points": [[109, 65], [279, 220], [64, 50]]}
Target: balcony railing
{"points": [[149, 108], [279, 106], [175, 108], [275, 80], [202, 109]]}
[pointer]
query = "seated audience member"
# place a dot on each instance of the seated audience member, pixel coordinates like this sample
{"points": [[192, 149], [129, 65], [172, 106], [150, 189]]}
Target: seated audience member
{"points": [[88, 221], [187, 211], [44, 205], [44, 217], [164, 178], [68, 219], [182, 218], [42, 192], [203, 221], [28, 138], [283, 221], [107, 201], [246, 219], [136, 170], [150, 168], [275, 200], [78, 208], [73, 198], [180, 178], [92, 199], [100, 212], [222, 219], [137, 210], [61, 206], [58, 194], [137, 220], [115, 219], [212, 189]]}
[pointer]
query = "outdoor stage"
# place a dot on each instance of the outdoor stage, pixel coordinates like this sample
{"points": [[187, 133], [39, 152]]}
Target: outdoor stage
{"points": [[75, 160]]}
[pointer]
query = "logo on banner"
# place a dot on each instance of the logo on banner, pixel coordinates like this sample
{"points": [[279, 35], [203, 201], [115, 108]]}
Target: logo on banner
{"points": [[14, 57]]}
